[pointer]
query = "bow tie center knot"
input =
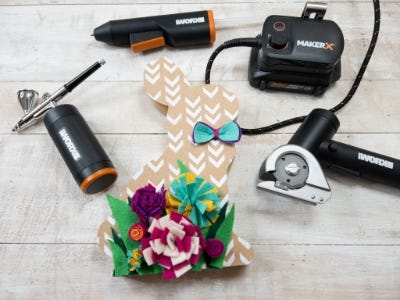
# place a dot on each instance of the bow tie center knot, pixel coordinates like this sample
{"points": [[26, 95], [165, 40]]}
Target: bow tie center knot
{"points": [[216, 133]]}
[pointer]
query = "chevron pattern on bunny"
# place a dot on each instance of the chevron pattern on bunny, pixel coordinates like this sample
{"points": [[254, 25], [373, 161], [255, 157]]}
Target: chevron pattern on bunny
{"points": [[211, 104]]}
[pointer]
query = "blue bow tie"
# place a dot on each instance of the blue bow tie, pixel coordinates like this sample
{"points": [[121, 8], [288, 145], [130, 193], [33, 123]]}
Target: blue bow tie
{"points": [[228, 133]]}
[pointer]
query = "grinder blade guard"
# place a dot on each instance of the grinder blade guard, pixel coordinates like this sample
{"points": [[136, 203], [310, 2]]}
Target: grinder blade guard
{"points": [[292, 169], [295, 169], [298, 54]]}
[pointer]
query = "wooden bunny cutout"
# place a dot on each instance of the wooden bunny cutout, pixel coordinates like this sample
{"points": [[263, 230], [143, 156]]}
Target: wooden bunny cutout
{"points": [[209, 104]]}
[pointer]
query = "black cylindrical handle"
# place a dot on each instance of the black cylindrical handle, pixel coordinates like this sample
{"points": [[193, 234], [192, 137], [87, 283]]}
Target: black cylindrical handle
{"points": [[360, 162], [181, 29], [320, 125], [80, 149]]}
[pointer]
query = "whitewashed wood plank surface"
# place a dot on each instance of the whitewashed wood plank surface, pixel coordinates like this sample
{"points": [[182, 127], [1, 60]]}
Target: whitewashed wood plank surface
{"points": [[348, 248], [158, 2], [62, 33], [124, 107], [40, 192], [281, 272]]}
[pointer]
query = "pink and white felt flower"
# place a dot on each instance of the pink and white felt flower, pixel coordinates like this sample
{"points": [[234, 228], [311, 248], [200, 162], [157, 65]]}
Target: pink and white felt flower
{"points": [[174, 243]]}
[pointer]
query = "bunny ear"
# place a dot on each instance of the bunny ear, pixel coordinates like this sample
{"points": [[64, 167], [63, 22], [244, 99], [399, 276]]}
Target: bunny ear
{"points": [[163, 81]]}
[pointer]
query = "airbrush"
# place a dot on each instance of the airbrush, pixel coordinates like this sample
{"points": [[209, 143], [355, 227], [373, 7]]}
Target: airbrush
{"points": [[30, 101], [86, 159]]}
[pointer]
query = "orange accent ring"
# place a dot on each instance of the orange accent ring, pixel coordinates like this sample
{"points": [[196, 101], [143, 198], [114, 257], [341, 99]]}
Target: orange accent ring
{"points": [[96, 175], [212, 25], [149, 44]]}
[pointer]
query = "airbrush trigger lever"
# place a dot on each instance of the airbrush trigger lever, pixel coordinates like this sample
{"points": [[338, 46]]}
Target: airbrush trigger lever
{"points": [[292, 169]]}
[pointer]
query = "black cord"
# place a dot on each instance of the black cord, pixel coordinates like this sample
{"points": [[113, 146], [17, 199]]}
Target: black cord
{"points": [[254, 42], [241, 42]]}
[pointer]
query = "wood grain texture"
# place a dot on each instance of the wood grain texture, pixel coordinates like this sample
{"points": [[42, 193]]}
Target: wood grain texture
{"points": [[282, 272], [118, 2], [62, 33], [124, 107], [44, 195], [348, 248]]}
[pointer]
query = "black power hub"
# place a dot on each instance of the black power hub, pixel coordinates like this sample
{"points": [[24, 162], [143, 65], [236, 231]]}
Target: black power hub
{"points": [[298, 54]]}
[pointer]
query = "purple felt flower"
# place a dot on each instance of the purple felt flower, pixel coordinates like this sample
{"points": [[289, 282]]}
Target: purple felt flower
{"points": [[148, 203], [214, 248]]}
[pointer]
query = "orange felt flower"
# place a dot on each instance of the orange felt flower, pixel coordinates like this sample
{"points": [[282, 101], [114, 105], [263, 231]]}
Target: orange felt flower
{"points": [[136, 232]]}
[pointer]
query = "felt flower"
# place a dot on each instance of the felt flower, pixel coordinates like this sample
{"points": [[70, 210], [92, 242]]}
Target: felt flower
{"points": [[174, 243], [148, 203], [195, 198], [136, 231], [134, 259], [214, 248]]}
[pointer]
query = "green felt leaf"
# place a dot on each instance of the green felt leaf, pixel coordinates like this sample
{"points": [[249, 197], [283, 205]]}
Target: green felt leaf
{"points": [[118, 240], [124, 218], [224, 234], [205, 231], [158, 269], [119, 259], [182, 167], [145, 269], [199, 266], [213, 228]]}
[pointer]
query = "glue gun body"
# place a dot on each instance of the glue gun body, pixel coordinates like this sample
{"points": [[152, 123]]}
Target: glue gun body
{"points": [[175, 30]]}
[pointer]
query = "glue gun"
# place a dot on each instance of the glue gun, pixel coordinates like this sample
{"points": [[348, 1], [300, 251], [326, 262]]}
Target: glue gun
{"points": [[175, 30], [295, 170]]}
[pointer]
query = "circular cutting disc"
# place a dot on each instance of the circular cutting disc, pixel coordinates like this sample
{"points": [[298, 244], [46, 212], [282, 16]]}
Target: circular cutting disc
{"points": [[291, 171]]}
